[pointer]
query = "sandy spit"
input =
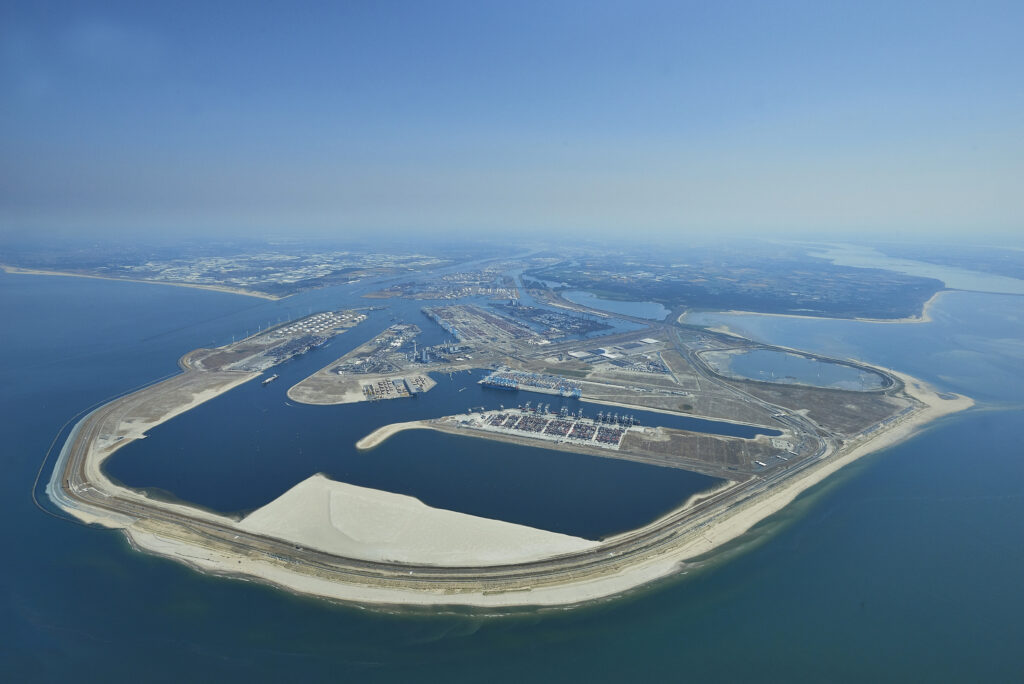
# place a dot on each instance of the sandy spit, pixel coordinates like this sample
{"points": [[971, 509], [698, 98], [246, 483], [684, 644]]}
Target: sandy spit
{"points": [[216, 288], [383, 433], [924, 317]]}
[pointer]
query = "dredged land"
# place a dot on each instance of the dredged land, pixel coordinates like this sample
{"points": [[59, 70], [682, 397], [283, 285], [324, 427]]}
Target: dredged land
{"points": [[313, 551]]}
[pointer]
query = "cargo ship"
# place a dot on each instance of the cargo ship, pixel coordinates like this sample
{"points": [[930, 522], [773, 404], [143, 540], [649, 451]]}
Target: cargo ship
{"points": [[271, 379], [499, 382]]}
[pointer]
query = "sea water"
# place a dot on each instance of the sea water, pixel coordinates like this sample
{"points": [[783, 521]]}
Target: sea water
{"points": [[906, 566], [241, 450], [245, 448], [650, 310], [770, 365]]}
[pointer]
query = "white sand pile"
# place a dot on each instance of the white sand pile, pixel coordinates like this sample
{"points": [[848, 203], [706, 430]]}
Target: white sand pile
{"points": [[370, 524]]}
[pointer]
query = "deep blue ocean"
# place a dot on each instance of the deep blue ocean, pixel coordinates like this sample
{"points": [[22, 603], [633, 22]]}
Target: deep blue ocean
{"points": [[906, 566]]}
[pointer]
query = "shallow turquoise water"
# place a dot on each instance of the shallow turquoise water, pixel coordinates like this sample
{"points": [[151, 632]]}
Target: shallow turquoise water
{"points": [[905, 567]]}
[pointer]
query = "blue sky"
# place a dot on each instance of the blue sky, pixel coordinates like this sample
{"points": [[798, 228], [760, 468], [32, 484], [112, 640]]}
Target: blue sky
{"points": [[637, 118]]}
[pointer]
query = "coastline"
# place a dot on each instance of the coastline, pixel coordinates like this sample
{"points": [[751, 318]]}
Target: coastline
{"points": [[130, 431], [18, 270], [923, 317], [625, 562], [618, 579], [385, 432]]}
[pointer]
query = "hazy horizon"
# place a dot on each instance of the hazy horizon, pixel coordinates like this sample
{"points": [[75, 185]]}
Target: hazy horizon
{"points": [[650, 121], [461, 341]]}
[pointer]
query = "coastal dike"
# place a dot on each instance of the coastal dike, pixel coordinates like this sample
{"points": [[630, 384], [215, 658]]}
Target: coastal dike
{"points": [[324, 550]]}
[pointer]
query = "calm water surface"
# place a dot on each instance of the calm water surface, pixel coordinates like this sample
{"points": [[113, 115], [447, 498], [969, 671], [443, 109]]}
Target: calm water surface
{"points": [[247, 447], [905, 567], [651, 310], [860, 256], [769, 365]]}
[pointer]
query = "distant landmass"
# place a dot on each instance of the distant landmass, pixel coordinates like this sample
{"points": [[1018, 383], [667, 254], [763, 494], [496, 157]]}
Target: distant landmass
{"points": [[1004, 261], [784, 281]]}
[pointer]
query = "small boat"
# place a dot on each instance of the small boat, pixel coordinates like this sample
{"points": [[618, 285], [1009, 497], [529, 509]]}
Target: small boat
{"points": [[271, 379]]}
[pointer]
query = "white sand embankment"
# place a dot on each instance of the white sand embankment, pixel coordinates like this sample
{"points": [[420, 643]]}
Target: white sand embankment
{"points": [[615, 579], [369, 524], [426, 594], [372, 525], [382, 434]]}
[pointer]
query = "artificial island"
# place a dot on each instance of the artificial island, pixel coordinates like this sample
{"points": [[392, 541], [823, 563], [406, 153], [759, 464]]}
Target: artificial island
{"points": [[796, 418]]}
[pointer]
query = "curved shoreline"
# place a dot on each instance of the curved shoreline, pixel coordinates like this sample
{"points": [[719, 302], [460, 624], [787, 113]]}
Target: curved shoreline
{"points": [[923, 317], [707, 534], [385, 432], [220, 545], [18, 270]]}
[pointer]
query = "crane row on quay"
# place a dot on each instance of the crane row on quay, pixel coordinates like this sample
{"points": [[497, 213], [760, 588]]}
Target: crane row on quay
{"points": [[617, 564]]}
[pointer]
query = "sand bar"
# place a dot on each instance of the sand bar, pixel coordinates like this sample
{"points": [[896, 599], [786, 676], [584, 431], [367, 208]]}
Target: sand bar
{"points": [[382, 434], [216, 288], [923, 317]]}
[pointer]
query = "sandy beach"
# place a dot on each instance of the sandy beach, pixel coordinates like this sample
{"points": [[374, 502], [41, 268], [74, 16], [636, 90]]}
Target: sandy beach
{"points": [[216, 288], [923, 317], [374, 525], [704, 536], [381, 434], [381, 526]]}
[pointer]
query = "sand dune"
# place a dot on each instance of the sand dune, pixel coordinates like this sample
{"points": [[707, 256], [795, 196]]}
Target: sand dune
{"points": [[369, 524]]}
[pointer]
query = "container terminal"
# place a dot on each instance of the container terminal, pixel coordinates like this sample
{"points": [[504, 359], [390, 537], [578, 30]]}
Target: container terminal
{"points": [[818, 430]]}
